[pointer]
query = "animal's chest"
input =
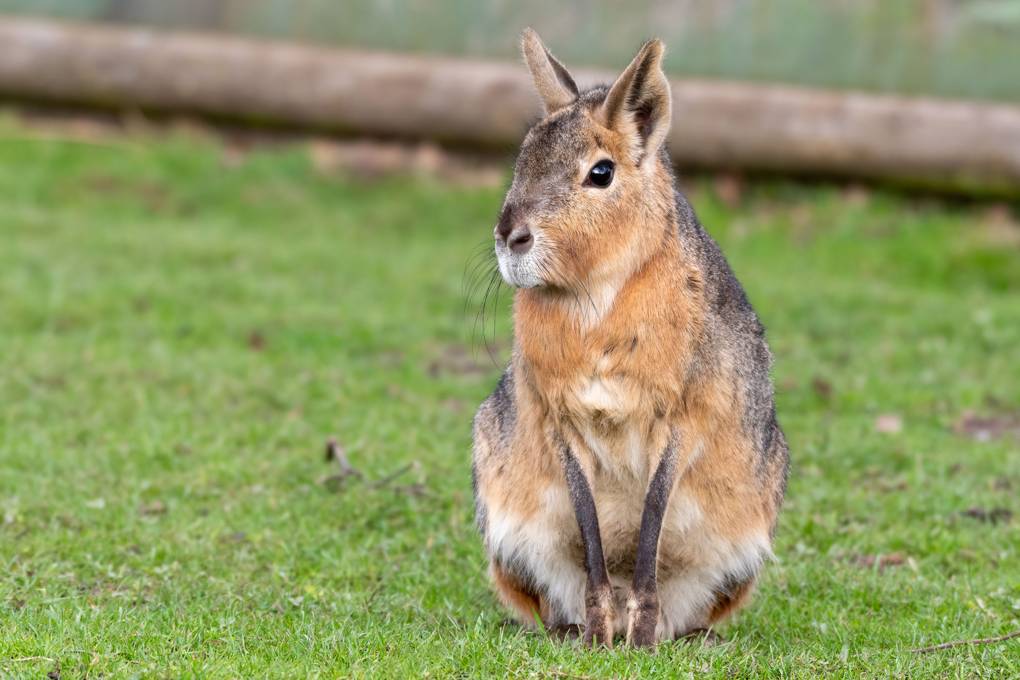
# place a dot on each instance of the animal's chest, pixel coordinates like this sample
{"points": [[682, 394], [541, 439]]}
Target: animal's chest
{"points": [[605, 399], [614, 420]]}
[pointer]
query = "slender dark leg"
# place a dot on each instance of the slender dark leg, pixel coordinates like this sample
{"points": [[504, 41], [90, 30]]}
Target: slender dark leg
{"points": [[643, 604], [598, 595]]}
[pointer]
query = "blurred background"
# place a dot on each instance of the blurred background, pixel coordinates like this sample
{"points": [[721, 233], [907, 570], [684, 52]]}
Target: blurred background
{"points": [[956, 48], [234, 230]]}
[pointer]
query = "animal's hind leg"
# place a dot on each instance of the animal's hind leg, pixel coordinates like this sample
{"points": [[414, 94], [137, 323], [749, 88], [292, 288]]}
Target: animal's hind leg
{"points": [[517, 597], [527, 606], [695, 604], [733, 597], [726, 604]]}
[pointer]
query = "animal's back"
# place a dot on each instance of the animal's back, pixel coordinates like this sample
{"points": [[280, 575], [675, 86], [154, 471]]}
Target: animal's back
{"points": [[739, 327]]}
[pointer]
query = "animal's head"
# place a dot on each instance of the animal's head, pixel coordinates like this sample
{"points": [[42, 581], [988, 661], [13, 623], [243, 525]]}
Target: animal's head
{"points": [[591, 190]]}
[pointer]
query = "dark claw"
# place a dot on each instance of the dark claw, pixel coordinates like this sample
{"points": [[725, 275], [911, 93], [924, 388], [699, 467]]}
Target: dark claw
{"points": [[599, 611], [597, 633]]}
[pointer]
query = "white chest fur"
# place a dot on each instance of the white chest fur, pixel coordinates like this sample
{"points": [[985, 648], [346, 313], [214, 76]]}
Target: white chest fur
{"points": [[612, 425]]}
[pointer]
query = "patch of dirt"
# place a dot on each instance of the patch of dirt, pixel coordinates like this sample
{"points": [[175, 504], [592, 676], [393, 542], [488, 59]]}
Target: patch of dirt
{"points": [[822, 388], [882, 480], [882, 562], [361, 158], [999, 226], [729, 187], [890, 485], [153, 508], [989, 515], [456, 406], [373, 159], [856, 194], [155, 197], [460, 360], [256, 341], [235, 537], [390, 358], [987, 428], [141, 304], [100, 589], [73, 124]]}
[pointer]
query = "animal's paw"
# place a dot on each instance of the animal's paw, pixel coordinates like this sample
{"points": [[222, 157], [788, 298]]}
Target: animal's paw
{"points": [[642, 619], [599, 611]]}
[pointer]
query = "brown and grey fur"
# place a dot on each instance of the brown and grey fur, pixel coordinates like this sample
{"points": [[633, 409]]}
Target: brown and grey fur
{"points": [[628, 468]]}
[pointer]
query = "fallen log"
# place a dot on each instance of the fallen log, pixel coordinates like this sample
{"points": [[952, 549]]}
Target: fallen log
{"points": [[943, 144]]}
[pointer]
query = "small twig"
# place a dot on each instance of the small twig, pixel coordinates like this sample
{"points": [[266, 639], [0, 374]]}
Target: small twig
{"points": [[336, 452], [960, 643], [379, 483], [29, 658], [372, 595]]}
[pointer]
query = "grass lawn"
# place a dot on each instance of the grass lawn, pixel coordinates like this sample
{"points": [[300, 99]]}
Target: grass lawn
{"points": [[181, 331]]}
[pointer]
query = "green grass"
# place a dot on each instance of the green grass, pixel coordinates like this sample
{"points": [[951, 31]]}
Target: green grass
{"points": [[179, 335]]}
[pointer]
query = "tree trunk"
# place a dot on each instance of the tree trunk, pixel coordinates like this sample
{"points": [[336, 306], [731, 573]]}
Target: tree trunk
{"points": [[953, 145]]}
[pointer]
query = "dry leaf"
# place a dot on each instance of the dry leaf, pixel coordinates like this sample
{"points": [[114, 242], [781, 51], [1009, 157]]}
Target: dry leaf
{"points": [[156, 507], [991, 516], [889, 423], [987, 428], [883, 562]]}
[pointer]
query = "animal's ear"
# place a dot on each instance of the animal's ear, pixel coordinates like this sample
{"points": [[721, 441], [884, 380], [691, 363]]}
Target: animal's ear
{"points": [[639, 103], [552, 80]]}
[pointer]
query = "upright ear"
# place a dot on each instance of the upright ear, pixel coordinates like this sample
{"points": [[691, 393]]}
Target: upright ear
{"points": [[639, 103], [552, 80]]}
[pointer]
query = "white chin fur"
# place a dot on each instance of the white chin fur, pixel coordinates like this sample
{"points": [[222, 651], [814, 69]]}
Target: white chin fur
{"points": [[519, 271]]}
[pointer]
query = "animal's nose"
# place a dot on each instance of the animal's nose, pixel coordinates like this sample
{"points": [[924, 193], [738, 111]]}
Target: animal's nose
{"points": [[520, 240], [517, 237]]}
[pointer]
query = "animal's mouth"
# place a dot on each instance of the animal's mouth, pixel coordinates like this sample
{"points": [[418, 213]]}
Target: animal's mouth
{"points": [[519, 270]]}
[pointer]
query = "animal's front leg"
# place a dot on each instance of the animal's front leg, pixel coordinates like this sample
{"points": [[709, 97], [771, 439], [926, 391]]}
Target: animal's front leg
{"points": [[643, 603], [598, 595]]}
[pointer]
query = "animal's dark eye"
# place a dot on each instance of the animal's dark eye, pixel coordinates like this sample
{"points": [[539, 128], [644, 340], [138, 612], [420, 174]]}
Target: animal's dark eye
{"points": [[601, 174]]}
